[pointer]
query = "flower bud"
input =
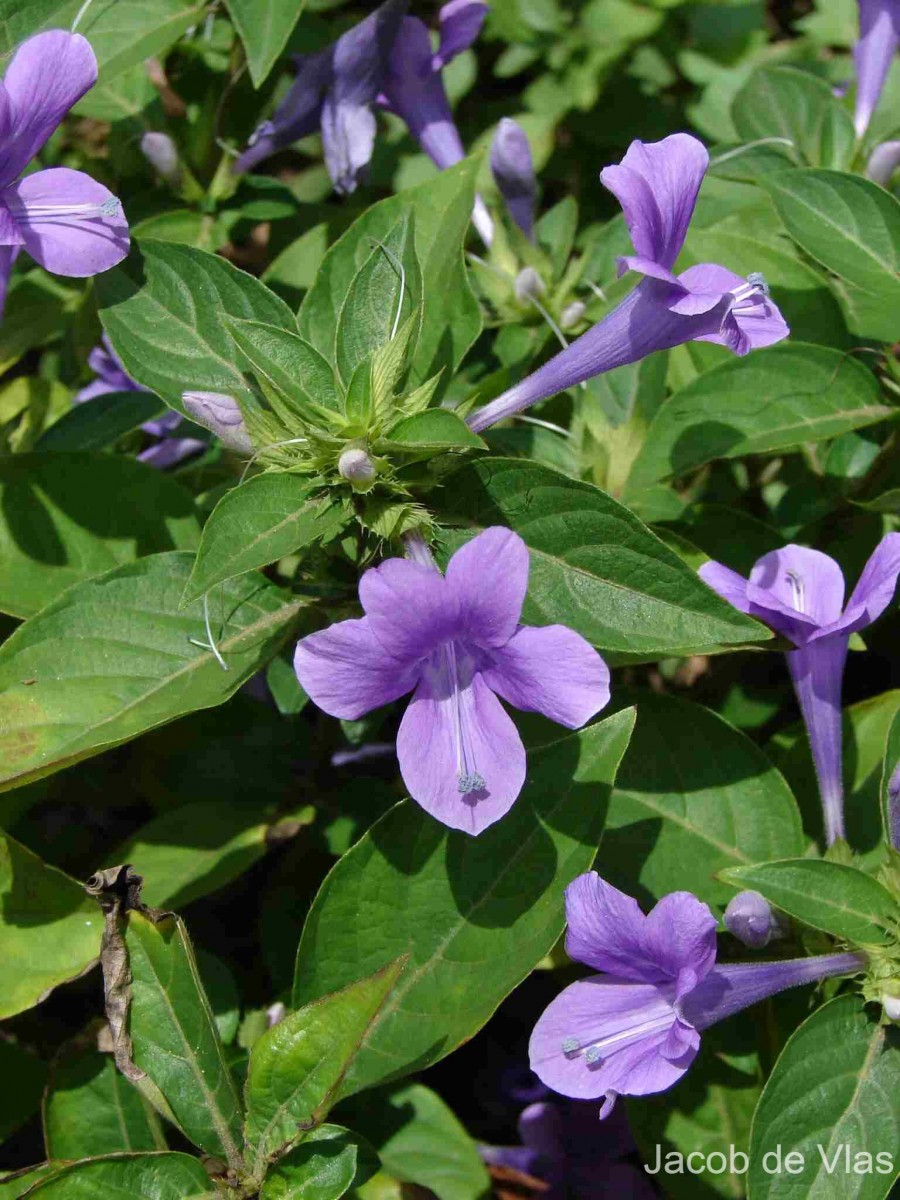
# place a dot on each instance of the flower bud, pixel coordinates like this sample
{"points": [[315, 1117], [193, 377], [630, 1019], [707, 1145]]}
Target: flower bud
{"points": [[220, 414], [529, 284], [883, 162], [751, 920], [162, 154], [571, 314], [891, 1006], [513, 170], [356, 466]]}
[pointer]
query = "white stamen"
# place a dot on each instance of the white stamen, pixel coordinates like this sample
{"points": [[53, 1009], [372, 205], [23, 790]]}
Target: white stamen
{"points": [[468, 778], [595, 1052], [752, 292], [798, 592], [41, 212]]}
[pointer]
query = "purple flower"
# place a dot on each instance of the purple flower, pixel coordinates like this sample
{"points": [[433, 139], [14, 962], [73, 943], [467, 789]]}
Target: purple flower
{"points": [[456, 642], [335, 91], [112, 377], [883, 162], [563, 1146], [635, 1028], [657, 186], [800, 593], [879, 37], [414, 87], [513, 171], [67, 222], [221, 414], [894, 808], [750, 918]]}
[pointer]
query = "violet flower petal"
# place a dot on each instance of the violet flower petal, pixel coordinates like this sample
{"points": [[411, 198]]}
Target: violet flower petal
{"points": [[298, 115], [460, 24], [657, 185], [629, 1023], [606, 930], [70, 224], [804, 582], [433, 762], [817, 671], [729, 584], [513, 171], [550, 670], [345, 671], [879, 37], [876, 586], [49, 73], [753, 322], [169, 452], [415, 92], [488, 578], [409, 606], [679, 935]]}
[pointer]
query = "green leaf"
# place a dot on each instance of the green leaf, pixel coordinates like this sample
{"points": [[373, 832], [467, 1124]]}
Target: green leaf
{"points": [[594, 565], [175, 1038], [30, 1073], [122, 35], [451, 317], [49, 933], [474, 914], [163, 1176], [62, 523], [777, 399], [890, 809], [290, 368], [692, 796], [420, 1140], [434, 429], [38, 308], [264, 30], [164, 310], [16, 1184], [196, 849], [100, 424], [113, 657], [326, 1164], [298, 1065], [787, 103], [268, 517], [91, 1109], [842, 901], [849, 225], [383, 294], [19, 21], [832, 1095]]}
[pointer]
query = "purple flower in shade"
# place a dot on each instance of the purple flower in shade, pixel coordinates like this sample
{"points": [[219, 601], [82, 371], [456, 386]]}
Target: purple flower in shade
{"points": [[894, 808], [883, 162], [220, 414], [635, 1028], [414, 88], [800, 593], [750, 918], [879, 37], [335, 91], [456, 642], [68, 223], [657, 185], [112, 377], [513, 171], [563, 1146]]}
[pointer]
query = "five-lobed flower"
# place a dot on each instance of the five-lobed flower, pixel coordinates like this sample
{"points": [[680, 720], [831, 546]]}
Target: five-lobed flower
{"points": [[634, 1029], [800, 593], [68, 222], [455, 641], [657, 185]]}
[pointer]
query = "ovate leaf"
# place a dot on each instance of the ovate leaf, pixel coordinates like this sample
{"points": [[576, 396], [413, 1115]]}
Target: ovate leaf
{"points": [[842, 901], [297, 1067], [91, 1109], [259, 522], [831, 1096], [594, 565], [163, 1176], [116, 655], [61, 522], [49, 929], [264, 30], [473, 914], [175, 1038]]}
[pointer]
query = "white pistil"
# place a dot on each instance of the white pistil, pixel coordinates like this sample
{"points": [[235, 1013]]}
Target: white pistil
{"points": [[798, 592], [468, 778], [595, 1052]]}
